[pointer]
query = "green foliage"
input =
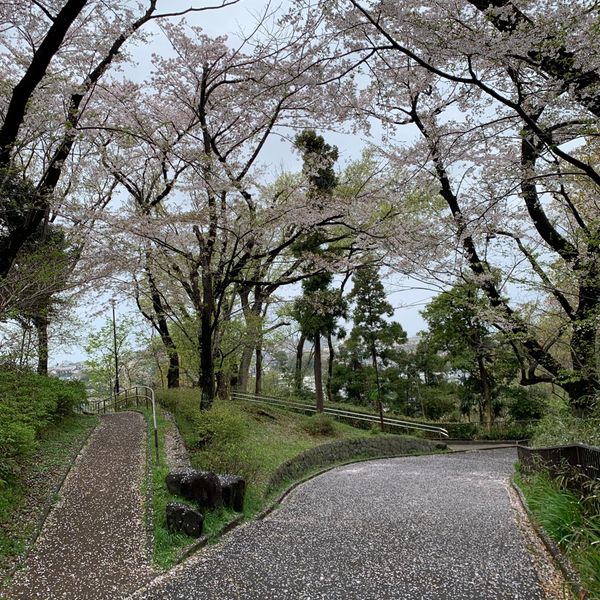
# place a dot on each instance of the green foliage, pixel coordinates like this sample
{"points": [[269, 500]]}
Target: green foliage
{"points": [[368, 362], [318, 160], [560, 427], [100, 362], [571, 520], [319, 424], [439, 400], [28, 404], [525, 403], [484, 360]]}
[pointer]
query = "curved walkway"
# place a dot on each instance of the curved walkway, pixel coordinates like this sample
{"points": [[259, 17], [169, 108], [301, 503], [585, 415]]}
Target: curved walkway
{"points": [[416, 528], [94, 545]]}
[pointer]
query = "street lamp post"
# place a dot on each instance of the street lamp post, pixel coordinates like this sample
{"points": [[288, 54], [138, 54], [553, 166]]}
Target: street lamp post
{"points": [[113, 302]]}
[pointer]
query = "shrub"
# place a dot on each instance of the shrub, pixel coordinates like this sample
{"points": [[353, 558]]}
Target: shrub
{"points": [[28, 404], [319, 424], [561, 427]]}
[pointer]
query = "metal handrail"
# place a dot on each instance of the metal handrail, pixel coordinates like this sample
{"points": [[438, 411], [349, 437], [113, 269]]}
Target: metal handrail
{"points": [[139, 391], [340, 413]]}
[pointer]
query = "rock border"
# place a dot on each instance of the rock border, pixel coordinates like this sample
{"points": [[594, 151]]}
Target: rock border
{"points": [[562, 561]]}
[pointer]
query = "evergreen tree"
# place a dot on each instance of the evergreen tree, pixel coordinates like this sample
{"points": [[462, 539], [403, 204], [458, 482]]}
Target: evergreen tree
{"points": [[373, 336], [319, 307]]}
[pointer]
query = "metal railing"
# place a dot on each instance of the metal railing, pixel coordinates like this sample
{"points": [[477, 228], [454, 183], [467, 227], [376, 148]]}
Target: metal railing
{"points": [[137, 394], [338, 413]]}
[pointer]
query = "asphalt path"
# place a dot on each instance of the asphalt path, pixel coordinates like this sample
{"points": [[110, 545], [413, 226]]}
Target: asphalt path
{"points": [[416, 528]]}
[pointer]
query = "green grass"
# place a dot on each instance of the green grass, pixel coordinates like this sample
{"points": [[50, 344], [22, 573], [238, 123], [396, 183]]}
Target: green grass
{"points": [[243, 439], [24, 495], [573, 521], [246, 439], [168, 546]]}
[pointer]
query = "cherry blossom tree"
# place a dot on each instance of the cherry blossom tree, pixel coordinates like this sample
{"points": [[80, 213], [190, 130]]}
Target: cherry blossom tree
{"points": [[54, 55], [502, 99]]}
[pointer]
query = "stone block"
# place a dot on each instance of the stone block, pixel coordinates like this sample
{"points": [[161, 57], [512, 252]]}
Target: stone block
{"points": [[183, 518], [234, 489], [202, 487]]}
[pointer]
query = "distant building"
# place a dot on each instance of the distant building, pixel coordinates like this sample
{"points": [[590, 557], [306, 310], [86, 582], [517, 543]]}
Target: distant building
{"points": [[69, 371]]}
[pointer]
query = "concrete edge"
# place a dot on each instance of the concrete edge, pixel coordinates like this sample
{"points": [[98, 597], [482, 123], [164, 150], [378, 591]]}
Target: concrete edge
{"points": [[560, 559], [48, 506]]}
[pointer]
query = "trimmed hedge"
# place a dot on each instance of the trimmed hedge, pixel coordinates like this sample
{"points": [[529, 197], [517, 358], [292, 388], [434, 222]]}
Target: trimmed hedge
{"points": [[377, 446], [28, 404]]}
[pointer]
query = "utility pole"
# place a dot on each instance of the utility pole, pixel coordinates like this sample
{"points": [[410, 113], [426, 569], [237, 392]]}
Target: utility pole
{"points": [[113, 302]]}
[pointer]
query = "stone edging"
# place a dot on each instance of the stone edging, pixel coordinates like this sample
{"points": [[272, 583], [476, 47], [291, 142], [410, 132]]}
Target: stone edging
{"points": [[369, 447], [562, 561], [48, 506]]}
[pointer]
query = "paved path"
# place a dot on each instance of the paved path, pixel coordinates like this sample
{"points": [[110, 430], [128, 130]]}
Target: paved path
{"points": [[93, 545], [417, 528]]}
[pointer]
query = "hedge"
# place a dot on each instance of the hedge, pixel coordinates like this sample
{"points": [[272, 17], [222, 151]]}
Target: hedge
{"points": [[376, 446]]}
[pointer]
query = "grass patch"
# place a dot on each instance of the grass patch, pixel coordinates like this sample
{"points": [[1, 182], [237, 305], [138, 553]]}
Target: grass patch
{"points": [[25, 495], [247, 439], [572, 521], [237, 438], [168, 546]]}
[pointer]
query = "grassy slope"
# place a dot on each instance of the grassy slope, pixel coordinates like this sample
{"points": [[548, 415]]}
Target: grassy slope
{"points": [[23, 498], [239, 438], [573, 522]]}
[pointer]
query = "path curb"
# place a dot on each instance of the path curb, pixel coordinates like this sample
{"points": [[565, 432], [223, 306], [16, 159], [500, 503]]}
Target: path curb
{"points": [[561, 560]]}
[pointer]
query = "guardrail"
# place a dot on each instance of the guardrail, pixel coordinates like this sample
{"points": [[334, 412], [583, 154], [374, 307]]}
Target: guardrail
{"points": [[574, 459], [338, 413], [140, 394]]}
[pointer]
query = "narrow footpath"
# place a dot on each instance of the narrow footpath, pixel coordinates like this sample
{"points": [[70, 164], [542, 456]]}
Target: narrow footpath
{"points": [[93, 544]]}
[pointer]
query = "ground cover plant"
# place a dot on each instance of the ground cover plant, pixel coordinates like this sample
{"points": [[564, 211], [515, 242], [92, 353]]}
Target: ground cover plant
{"points": [[572, 520], [28, 404]]}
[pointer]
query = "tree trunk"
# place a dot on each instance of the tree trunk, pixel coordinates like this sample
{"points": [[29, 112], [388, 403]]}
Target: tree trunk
{"points": [[223, 386], [259, 360], [207, 377], [487, 393], [379, 404], [318, 374], [244, 370], [161, 325], [298, 371], [329, 368], [41, 327]]}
